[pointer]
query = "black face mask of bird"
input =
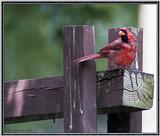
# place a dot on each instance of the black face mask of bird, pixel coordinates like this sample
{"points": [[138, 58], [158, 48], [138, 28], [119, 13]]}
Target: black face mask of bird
{"points": [[124, 36]]}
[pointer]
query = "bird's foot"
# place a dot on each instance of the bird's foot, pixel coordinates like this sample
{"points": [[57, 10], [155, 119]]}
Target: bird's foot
{"points": [[121, 70]]}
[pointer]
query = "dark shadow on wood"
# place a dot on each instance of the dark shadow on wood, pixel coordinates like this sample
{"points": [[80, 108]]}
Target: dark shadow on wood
{"points": [[120, 122]]}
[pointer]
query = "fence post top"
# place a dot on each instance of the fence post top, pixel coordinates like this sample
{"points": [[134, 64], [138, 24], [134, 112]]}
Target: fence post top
{"points": [[73, 26], [135, 30]]}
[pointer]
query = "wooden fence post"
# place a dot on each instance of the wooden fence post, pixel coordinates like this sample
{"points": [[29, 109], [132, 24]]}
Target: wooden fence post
{"points": [[79, 81], [127, 122]]}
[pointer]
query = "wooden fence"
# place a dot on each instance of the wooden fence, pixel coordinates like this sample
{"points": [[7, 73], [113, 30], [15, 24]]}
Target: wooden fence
{"points": [[82, 93]]}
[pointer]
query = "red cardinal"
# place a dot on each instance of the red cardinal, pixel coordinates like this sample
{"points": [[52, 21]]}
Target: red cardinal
{"points": [[121, 52]]}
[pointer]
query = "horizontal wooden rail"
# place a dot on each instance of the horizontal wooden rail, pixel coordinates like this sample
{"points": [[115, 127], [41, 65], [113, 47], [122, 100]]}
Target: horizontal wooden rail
{"points": [[35, 99], [38, 99]]}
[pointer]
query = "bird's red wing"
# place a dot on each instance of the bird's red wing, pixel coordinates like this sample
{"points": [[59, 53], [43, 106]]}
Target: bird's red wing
{"points": [[113, 45], [116, 45]]}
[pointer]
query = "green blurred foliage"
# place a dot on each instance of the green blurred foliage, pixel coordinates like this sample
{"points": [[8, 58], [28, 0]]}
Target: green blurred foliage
{"points": [[33, 40], [33, 34]]}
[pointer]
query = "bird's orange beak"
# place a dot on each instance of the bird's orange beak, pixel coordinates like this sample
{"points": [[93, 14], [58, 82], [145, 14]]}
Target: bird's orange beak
{"points": [[121, 33]]}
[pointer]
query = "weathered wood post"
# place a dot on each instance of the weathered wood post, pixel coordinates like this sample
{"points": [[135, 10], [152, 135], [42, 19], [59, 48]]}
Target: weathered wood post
{"points": [[79, 81], [127, 122]]}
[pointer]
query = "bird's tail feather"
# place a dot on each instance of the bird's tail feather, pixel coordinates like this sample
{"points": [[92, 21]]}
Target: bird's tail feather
{"points": [[89, 57]]}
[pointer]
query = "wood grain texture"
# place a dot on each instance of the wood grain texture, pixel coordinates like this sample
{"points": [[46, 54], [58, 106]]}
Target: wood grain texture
{"points": [[137, 64], [132, 92], [138, 89], [79, 81], [40, 99], [35, 99]]}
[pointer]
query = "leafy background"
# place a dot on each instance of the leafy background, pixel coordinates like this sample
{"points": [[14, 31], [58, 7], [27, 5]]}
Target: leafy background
{"points": [[33, 42]]}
